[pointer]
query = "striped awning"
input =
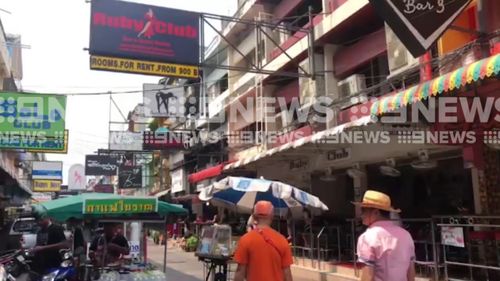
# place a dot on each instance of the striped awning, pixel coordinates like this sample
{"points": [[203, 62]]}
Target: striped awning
{"points": [[482, 69], [317, 137]]}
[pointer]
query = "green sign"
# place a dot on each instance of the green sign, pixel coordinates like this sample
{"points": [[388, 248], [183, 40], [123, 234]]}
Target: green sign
{"points": [[22, 113], [35, 142], [120, 206]]}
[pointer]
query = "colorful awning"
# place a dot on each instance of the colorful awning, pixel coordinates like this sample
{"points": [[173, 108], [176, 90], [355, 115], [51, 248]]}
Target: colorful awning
{"points": [[454, 80], [317, 137], [206, 174]]}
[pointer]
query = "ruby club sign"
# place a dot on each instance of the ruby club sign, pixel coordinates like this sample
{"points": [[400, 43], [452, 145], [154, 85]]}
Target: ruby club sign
{"points": [[419, 23], [136, 31]]}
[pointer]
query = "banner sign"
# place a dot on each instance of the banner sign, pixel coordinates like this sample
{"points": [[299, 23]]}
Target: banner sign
{"points": [[165, 140], [125, 141], [120, 206], [419, 23], [143, 67], [160, 101], [32, 115], [76, 177], [41, 197], [178, 179], [129, 177], [100, 165], [452, 236], [104, 188], [35, 142], [46, 185], [145, 32], [47, 170]]}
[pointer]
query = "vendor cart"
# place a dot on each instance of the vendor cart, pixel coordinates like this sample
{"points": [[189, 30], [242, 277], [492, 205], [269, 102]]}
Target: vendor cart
{"points": [[215, 250], [114, 208]]}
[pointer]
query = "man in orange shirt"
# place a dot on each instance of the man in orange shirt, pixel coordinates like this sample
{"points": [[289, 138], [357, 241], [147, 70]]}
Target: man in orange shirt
{"points": [[263, 254]]}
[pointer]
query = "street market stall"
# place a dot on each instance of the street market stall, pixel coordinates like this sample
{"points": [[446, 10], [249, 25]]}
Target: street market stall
{"points": [[114, 208]]}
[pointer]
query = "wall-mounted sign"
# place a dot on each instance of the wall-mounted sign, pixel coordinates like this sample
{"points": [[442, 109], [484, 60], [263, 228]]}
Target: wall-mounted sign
{"points": [[32, 116], [138, 31], [129, 177], [165, 140], [452, 236], [40, 197], [298, 164], [143, 67], [178, 178], [76, 177], [160, 101], [338, 154], [47, 170], [125, 141], [419, 23], [48, 145], [104, 188], [100, 165], [120, 206], [46, 185]]}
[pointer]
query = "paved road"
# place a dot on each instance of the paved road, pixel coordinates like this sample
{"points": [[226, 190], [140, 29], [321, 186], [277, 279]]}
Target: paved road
{"points": [[181, 266]]}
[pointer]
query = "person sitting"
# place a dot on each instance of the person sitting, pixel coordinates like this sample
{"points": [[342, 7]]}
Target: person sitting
{"points": [[109, 247]]}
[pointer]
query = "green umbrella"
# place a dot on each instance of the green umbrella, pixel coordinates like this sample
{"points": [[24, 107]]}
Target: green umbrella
{"points": [[105, 205]]}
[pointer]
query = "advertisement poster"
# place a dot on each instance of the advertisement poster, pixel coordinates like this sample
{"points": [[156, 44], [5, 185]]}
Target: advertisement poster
{"points": [[101, 165], [121, 29], [452, 236], [76, 177], [130, 177], [47, 170], [160, 101]]}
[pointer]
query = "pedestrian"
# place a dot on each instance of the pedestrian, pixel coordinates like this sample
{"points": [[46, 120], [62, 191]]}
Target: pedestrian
{"points": [[263, 253], [386, 249]]}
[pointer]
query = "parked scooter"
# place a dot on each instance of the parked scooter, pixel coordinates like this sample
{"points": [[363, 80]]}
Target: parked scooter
{"points": [[17, 267]]}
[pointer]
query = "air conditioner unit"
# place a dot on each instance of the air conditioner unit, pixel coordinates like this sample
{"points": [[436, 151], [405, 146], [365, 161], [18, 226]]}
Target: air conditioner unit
{"points": [[352, 85], [399, 58], [308, 88]]}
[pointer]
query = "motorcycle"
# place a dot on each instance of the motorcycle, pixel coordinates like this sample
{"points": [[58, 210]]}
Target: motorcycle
{"points": [[17, 267]]}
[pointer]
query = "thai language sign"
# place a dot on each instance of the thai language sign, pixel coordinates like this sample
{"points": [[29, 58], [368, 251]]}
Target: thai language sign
{"points": [[120, 206], [40, 116], [145, 32]]}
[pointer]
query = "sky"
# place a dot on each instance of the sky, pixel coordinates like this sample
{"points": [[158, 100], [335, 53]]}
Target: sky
{"points": [[55, 33]]}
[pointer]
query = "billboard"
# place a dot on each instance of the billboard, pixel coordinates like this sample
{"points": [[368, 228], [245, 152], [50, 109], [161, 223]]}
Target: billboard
{"points": [[144, 32], [76, 177], [32, 116], [125, 141], [46, 185], [418, 24], [165, 102], [47, 170], [101, 165], [143, 67], [165, 140], [130, 177]]}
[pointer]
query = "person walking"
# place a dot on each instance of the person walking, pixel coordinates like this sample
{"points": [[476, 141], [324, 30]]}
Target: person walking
{"points": [[263, 253], [386, 249]]}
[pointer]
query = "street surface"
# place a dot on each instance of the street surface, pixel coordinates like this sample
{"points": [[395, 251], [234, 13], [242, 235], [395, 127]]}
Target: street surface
{"points": [[181, 266]]}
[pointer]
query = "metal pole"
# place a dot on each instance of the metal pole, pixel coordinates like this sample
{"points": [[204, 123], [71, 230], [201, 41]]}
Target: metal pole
{"points": [[353, 238], [483, 27], [312, 64], [434, 252], [338, 243], [165, 248], [445, 263]]}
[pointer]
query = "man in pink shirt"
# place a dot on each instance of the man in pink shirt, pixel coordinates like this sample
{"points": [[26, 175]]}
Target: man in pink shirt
{"points": [[385, 248]]}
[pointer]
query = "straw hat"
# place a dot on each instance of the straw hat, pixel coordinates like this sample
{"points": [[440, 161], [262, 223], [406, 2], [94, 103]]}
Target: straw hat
{"points": [[376, 200]]}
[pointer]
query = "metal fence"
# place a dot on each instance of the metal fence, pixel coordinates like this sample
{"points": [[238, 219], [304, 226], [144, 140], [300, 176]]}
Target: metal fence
{"points": [[446, 247]]}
